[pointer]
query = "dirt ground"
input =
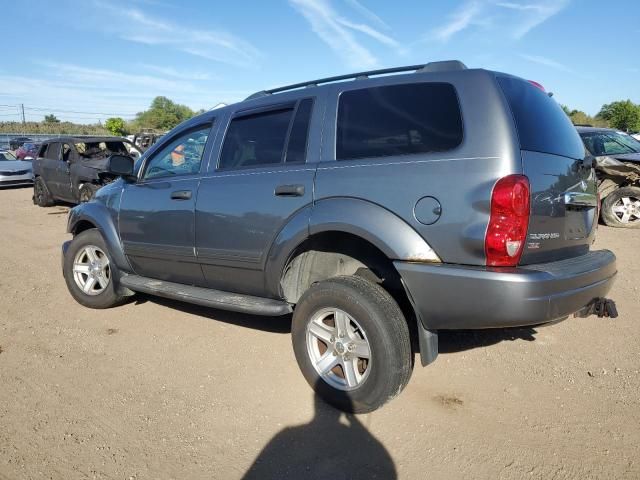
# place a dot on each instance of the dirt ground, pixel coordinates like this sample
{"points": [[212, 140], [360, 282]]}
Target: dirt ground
{"points": [[158, 389]]}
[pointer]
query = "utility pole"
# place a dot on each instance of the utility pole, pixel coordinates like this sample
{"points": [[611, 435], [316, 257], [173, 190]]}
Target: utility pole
{"points": [[22, 110]]}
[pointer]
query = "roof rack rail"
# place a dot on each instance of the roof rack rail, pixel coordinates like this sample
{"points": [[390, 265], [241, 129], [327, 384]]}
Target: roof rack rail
{"points": [[443, 66]]}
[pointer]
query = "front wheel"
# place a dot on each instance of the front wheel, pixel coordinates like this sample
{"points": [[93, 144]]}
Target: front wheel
{"points": [[89, 271], [352, 343], [622, 208]]}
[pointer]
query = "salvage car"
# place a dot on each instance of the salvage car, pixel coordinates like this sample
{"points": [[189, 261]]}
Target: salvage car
{"points": [[14, 171], [617, 163], [16, 142], [72, 169], [28, 151], [378, 210]]}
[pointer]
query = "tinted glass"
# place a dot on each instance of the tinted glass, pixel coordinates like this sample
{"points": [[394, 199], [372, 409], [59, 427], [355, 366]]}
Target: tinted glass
{"points": [[256, 140], [541, 123], [43, 150], [181, 156], [53, 151], [297, 149], [398, 120]]}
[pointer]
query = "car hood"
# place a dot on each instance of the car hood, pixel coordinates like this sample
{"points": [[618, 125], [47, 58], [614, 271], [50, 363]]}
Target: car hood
{"points": [[627, 157], [14, 166]]}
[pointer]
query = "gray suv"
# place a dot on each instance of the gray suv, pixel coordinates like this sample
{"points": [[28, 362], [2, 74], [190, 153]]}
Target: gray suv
{"points": [[379, 208]]}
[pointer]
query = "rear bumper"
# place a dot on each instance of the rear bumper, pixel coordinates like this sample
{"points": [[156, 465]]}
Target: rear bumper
{"points": [[462, 297]]}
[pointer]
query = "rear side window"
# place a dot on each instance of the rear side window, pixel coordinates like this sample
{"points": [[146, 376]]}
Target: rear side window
{"points": [[542, 125], [267, 138], [398, 120]]}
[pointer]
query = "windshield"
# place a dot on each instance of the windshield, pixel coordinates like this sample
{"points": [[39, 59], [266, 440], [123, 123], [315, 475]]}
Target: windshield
{"points": [[610, 143], [8, 156]]}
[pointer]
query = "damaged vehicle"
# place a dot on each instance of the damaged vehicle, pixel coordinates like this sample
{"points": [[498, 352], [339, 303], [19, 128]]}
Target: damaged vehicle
{"points": [[617, 164], [72, 169]]}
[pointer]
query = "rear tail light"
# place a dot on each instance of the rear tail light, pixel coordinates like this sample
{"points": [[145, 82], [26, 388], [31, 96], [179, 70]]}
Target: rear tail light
{"points": [[507, 230]]}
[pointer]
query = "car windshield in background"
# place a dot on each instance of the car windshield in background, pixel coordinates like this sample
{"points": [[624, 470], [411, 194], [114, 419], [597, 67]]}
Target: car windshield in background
{"points": [[610, 143], [93, 150], [7, 156]]}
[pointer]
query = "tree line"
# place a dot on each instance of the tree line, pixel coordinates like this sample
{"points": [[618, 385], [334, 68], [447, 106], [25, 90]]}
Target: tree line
{"points": [[623, 115]]}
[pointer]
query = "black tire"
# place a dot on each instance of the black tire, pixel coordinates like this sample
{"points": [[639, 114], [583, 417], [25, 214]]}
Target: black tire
{"points": [[108, 296], [87, 192], [382, 324], [615, 201], [41, 195]]}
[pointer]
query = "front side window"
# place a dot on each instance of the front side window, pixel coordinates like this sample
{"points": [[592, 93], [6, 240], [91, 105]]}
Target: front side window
{"points": [[398, 120], [53, 152], [181, 156]]}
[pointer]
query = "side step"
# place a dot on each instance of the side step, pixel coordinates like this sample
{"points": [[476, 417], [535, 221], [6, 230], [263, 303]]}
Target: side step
{"points": [[207, 297]]}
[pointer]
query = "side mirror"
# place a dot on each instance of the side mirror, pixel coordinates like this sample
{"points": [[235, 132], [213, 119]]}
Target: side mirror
{"points": [[120, 166]]}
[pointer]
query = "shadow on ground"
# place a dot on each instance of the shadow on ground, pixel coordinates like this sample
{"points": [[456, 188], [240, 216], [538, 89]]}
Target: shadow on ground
{"points": [[333, 445], [453, 341]]}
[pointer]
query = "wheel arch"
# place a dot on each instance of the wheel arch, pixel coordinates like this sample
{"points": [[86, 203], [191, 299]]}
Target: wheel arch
{"points": [[95, 215]]}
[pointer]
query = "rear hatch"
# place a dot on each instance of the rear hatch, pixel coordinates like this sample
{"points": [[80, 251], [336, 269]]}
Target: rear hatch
{"points": [[563, 187]]}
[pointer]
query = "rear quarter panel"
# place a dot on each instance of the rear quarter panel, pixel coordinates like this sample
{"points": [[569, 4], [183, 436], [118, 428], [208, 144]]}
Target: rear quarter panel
{"points": [[461, 179]]}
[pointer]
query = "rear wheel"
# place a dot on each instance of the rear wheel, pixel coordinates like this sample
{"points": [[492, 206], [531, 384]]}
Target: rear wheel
{"points": [[352, 343], [89, 271], [41, 195], [622, 208]]}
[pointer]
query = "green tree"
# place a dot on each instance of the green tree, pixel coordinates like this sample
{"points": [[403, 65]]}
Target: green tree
{"points": [[51, 118], [116, 126], [163, 114], [623, 115]]}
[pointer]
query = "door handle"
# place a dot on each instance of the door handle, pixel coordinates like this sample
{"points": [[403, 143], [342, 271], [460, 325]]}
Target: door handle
{"points": [[181, 195], [289, 191]]}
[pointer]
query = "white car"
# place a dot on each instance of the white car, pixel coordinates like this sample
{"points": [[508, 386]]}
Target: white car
{"points": [[13, 171]]}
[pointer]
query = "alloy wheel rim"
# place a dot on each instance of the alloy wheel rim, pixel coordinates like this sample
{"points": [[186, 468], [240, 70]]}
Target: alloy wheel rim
{"points": [[627, 210], [338, 349], [91, 270]]}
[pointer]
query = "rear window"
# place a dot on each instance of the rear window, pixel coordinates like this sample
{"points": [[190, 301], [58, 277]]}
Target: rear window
{"points": [[542, 125], [398, 120]]}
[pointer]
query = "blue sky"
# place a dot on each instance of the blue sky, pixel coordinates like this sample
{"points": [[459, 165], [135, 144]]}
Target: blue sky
{"points": [[88, 60]]}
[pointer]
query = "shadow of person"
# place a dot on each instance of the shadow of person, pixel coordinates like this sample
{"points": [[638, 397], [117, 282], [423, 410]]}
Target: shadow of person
{"points": [[333, 445]]}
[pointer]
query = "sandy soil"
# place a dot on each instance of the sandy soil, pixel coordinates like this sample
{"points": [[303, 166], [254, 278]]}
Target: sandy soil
{"points": [[157, 389]]}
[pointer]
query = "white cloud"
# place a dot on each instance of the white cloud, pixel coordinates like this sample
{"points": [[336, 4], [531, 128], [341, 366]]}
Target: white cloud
{"points": [[134, 25], [365, 12], [547, 62], [338, 32], [459, 21], [63, 87], [515, 18]]}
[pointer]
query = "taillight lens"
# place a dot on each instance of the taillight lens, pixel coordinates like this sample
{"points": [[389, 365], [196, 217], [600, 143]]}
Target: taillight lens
{"points": [[509, 220]]}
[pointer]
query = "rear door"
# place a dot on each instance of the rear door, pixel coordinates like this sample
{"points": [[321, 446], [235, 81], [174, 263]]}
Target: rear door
{"points": [[563, 188], [260, 180]]}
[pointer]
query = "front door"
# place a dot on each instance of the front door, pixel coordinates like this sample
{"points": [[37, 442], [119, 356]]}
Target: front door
{"points": [[157, 224], [260, 181]]}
